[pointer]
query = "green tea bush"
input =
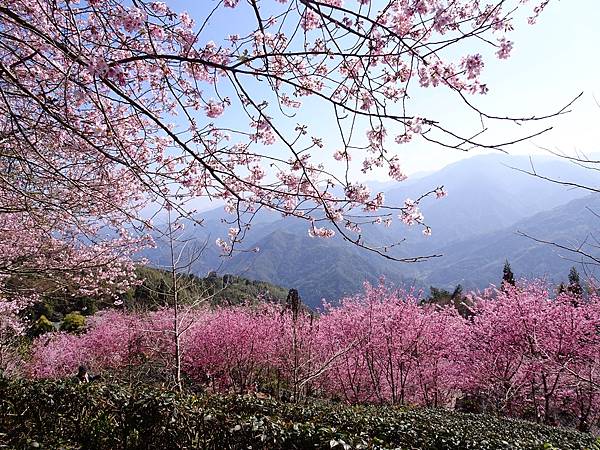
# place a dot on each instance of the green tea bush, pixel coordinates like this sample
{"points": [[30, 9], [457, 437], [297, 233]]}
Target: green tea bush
{"points": [[100, 416]]}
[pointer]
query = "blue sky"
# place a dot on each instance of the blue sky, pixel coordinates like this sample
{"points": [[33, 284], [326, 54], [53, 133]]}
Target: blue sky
{"points": [[551, 63]]}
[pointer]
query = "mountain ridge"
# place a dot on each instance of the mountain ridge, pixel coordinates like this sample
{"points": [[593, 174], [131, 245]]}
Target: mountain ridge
{"points": [[486, 200]]}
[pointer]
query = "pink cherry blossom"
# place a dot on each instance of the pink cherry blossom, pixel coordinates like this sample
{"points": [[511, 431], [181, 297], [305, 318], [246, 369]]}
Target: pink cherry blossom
{"points": [[110, 106], [214, 109]]}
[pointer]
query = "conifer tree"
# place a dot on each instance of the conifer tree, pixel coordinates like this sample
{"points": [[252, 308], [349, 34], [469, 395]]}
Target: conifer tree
{"points": [[507, 274], [574, 286], [457, 292]]}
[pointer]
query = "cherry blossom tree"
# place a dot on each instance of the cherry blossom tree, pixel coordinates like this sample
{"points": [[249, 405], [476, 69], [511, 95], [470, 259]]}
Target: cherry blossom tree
{"points": [[106, 106], [404, 350], [10, 330], [91, 91], [380, 347], [231, 348], [536, 356], [112, 341], [524, 352]]}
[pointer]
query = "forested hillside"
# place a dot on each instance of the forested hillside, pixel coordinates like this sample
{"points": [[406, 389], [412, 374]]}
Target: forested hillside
{"points": [[156, 291]]}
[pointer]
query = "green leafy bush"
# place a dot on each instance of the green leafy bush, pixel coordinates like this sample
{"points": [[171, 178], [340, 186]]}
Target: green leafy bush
{"points": [[41, 326], [73, 322], [100, 416]]}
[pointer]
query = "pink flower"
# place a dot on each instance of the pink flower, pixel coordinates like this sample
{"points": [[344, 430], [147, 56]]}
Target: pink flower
{"points": [[473, 65], [223, 245], [214, 109], [505, 49], [367, 101], [395, 171], [357, 192], [340, 155], [321, 232], [98, 67], [133, 20], [233, 232], [160, 7], [310, 20]]}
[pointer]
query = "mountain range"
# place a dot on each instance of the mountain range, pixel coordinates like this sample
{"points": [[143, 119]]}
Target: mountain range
{"points": [[493, 212]]}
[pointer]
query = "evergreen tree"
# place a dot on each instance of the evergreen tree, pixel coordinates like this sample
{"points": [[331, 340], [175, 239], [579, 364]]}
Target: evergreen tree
{"points": [[457, 294], [439, 296], [507, 274], [574, 286], [456, 299], [562, 289]]}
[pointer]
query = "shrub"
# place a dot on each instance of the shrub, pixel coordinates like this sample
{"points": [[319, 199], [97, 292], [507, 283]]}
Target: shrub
{"points": [[522, 353], [99, 416], [41, 326], [73, 322]]}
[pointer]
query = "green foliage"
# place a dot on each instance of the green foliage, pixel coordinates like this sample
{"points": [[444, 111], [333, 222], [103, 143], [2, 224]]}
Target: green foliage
{"points": [[99, 416], [574, 286], [156, 291], [456, 299], [41, 326], [507, 274], [56, 306], [73, 322]]}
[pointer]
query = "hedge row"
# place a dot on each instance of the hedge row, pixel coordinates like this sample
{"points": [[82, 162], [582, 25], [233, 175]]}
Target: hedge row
{"points": [[66, 415]]}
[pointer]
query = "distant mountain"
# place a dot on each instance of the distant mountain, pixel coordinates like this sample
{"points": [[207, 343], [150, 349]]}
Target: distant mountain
{"points": [[486, 193], [318, 268], [476, 262], [473, 227]]}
